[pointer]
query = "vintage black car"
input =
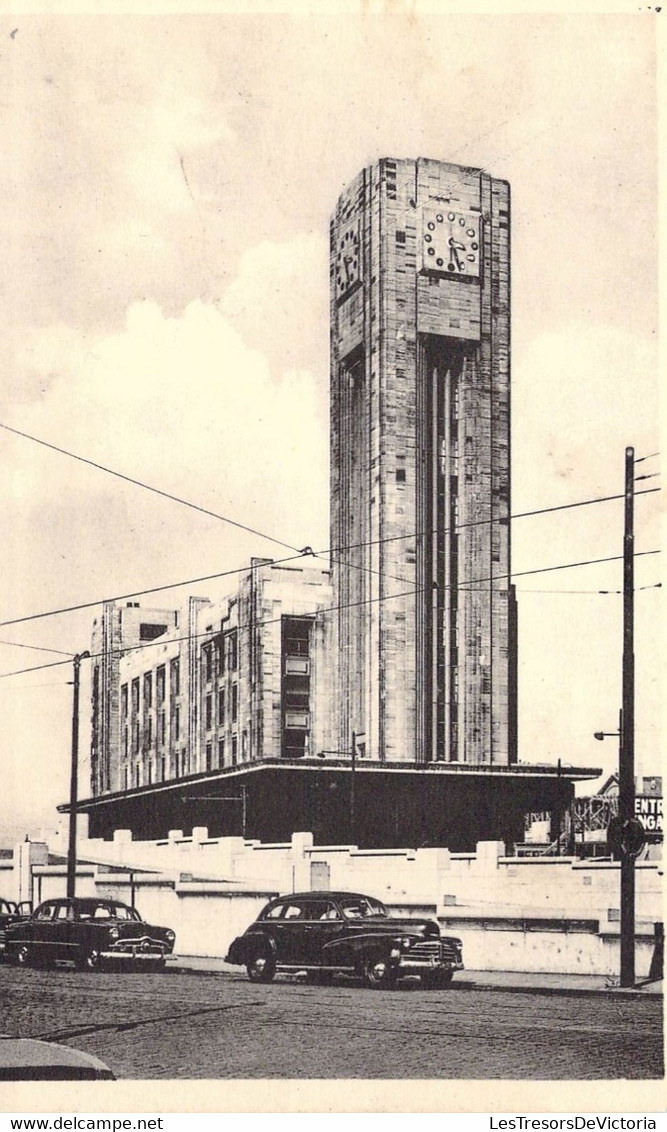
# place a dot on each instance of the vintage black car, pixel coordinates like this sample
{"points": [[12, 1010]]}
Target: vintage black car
{"points": [[10, 913], [323, 933], [88, 932]]}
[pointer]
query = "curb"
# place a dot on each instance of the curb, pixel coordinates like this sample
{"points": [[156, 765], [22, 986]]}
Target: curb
{"points": [[463, 984]]}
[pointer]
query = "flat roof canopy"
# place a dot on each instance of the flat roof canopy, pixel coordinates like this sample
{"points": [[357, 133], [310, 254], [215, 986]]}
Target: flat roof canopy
{"points": [[372, 804]]}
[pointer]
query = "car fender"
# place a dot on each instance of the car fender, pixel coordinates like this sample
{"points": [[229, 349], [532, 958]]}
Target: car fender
{"points": [[360, 945], [244, 947]]}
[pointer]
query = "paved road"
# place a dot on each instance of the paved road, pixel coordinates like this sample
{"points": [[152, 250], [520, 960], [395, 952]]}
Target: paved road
{"points": [[170, 1025]]}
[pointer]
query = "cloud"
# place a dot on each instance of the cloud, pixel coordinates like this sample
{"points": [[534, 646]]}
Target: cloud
{"points": [[182, 403]]}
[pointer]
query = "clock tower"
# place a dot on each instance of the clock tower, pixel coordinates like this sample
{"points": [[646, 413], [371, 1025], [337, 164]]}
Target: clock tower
{"points": [[420, 458]]}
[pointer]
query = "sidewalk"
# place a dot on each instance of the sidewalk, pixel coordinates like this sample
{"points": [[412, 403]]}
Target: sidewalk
{"points": [[526, 982]]}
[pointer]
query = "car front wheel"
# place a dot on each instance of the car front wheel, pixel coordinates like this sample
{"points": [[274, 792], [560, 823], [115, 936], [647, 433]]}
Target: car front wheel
{"points": [[22, 956], [89, 959], [261, 969], [378, 973]]}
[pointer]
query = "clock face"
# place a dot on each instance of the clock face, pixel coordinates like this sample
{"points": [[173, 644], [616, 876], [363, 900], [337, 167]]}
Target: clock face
{"points": [[451, 243], [348, 260]]}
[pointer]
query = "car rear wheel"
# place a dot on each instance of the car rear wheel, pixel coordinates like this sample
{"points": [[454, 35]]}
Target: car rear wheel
{"points": [[89, 959], [261, 969], [378, 972]]}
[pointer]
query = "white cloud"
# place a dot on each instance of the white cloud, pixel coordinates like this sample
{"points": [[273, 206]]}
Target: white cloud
{"points": [[184, 404]]}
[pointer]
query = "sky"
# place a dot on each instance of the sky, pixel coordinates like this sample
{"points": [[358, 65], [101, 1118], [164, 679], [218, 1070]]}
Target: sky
{"points": [[165, 194]]}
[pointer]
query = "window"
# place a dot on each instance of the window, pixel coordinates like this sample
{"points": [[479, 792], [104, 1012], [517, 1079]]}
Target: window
{"points": [[45, 913], [148, 690], [295, 637], [162, 726], [163, 768], [177, 723], [221, 752], [400, 475], [234, 750], [232, 651], [175, 677], [150, 632], [135, 696], [160, 684], [221, 707], [274, 913], [209, 756], [234, 692], [208, 664], [209, 712], [244, 745], [123, 700], [126, 741]]}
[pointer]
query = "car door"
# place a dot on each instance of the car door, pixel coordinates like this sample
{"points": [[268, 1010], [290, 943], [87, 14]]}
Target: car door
{"points": [[291, 933], [324, 924], [39, 929]]}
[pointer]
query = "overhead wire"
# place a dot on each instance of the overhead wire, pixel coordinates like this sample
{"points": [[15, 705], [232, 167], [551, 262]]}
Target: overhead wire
{"points": [[223, 518], [335, 608], [308, 552]]}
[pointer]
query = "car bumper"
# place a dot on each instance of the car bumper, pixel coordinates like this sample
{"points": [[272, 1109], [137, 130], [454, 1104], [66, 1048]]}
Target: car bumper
{"points": [[134, 956], [408, 965]]}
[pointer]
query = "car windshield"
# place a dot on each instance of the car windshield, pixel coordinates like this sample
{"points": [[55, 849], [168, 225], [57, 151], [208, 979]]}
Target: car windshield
{"points": [[360, 907], [94, 910]]}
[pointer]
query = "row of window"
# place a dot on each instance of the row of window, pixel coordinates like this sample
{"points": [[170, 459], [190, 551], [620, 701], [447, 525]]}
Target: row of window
{"points": [[217, 756], [160, 676], [220, 656], [223, 697]]}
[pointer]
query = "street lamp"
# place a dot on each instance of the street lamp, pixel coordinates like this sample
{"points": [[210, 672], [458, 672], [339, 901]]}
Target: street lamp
{"points": [[71, 849], [353, 753]]}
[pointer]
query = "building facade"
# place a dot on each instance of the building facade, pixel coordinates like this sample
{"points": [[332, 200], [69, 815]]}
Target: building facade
{"points": [[420, 465], [229, 683]]}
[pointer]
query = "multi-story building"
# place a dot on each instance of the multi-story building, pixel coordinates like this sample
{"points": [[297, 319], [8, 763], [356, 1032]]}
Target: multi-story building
{"points": [[382, 712], [420, 464], [230, 684]]}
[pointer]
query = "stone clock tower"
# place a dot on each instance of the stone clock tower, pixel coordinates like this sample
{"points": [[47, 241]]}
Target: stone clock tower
{"points": [[420, 481]]}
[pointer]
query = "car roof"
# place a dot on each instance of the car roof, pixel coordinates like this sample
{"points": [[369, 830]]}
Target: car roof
{"points": [[84, 900], [336, 895]]}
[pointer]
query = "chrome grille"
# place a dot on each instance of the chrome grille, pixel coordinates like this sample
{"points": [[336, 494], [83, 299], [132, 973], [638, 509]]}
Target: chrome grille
{"points": [[426, 949]]}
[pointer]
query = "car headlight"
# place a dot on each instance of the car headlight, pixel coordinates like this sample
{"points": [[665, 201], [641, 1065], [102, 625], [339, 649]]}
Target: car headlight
{"points": [[406, 943], [170, 936], [114, 933], [395, 953]]}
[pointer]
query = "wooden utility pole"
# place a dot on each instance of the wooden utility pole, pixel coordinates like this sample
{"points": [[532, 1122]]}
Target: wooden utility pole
{"points": [[74, 773], [626, 770]]}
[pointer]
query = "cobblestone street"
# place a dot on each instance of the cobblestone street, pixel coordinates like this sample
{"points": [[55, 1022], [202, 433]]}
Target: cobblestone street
{"points": [[202, 1025]]}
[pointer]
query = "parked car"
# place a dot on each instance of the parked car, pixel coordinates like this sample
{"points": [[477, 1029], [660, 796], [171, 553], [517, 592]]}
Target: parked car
{"points": [[328, 932], [89, 932], [10, 912], [27, 1059]]}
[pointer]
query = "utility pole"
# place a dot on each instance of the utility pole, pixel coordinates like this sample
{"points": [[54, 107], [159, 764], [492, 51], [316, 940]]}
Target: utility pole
{"points": [[73, 791], [353, 831], [626, 770]]}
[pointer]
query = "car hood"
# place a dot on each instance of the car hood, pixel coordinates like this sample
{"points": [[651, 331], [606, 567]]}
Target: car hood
{"points": [[399, 925]]}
